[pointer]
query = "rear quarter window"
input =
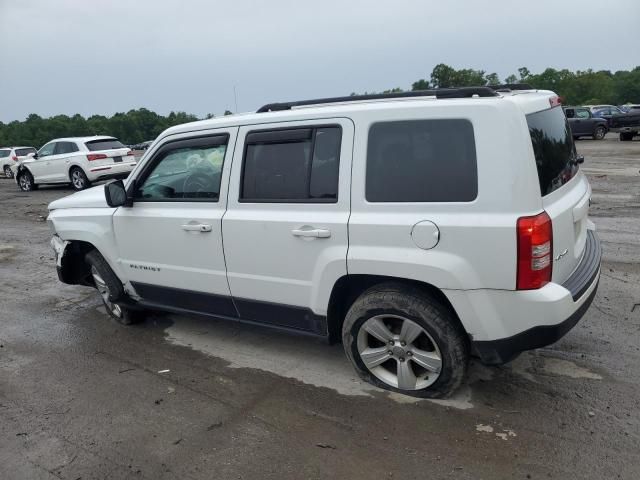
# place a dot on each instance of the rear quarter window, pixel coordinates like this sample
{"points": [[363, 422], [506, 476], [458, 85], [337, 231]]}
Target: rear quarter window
{"points": [[104, 144], [422, 161], [553, 148]]}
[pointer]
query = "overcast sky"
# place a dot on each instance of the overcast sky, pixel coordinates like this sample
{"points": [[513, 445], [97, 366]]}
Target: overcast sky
{"points": [[104, 56]]}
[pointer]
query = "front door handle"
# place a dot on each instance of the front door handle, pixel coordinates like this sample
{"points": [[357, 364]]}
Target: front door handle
{"points": [[311, 232], [196, 227]]}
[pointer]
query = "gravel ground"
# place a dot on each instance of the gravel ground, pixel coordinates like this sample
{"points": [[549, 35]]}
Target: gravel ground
{"points": [[81, 397]]}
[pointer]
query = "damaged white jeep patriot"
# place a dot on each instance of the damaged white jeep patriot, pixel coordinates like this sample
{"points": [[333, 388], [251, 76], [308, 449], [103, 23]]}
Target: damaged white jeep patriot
{"points": [[418, 228]]}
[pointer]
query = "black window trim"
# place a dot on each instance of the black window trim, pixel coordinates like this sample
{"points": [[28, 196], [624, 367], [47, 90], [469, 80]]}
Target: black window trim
{"points": [[162, 151], [279, 131], [449, 202]]}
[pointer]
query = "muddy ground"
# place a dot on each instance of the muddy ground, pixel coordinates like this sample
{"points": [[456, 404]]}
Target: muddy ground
{"points": [[186, 398]]}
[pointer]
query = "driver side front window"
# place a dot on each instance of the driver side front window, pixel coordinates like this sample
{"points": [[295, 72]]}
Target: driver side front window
{"points": [[186, 173], [47, 150]]}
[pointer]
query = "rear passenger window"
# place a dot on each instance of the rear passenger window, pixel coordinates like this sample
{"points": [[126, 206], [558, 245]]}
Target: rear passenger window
{"points": [[292, 165], [65, 147], [422, 161]]}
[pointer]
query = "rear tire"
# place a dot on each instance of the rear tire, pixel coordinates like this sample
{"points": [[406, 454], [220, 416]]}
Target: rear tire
{"points": [[599, 133], [426, 353], [79, 180], [25, 181], [7, 171], [111, 290], [626, 136]]}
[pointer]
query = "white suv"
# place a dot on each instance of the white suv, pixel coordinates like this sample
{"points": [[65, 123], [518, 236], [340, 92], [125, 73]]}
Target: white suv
{"points": [[78, 161], [11, 156], [417, 228]]}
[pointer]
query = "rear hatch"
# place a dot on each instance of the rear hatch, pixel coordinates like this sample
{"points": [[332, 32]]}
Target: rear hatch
{"points": [[108, 151], [565, 190]]}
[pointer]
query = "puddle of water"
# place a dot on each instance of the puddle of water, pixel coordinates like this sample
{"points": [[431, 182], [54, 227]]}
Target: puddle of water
{"points": [[310, 362]]}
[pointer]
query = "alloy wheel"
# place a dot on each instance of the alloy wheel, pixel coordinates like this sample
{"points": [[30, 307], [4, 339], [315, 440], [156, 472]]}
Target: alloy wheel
{"points": [[7, 172], [78, 179], [25, 182], [103, 289], [399, 352]]}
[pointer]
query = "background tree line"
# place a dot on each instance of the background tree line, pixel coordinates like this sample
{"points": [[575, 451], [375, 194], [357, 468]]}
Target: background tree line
{"points": [[132, 127], [586, 87], [135, 126]]}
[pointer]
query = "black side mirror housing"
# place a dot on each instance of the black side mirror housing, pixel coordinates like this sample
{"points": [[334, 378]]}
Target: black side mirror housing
{"points": [[115, 194]]}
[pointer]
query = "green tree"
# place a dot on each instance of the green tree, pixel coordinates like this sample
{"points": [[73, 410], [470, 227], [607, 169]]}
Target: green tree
{"points": [[421, 84]]}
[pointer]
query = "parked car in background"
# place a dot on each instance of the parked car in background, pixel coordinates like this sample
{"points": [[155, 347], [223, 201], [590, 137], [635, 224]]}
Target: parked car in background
{"points": [[425, 227], [583, 123], [78, 161], [626, 124], [142, 145], [605, 111], [629, 107], [11, 156]]}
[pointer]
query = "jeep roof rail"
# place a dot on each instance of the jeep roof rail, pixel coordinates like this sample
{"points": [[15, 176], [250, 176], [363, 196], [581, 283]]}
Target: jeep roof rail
{"points": [[511, 86], [462, 92]]}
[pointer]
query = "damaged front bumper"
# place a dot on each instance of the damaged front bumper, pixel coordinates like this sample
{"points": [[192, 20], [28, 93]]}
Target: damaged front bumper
{"points": [[59, 246]]}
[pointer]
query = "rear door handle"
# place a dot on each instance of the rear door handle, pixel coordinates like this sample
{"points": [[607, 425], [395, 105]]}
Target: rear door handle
{"points": [[311, 232], [196, 227]]}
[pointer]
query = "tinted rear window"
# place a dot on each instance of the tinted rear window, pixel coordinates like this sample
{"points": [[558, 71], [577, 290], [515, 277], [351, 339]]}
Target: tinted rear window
{"points": [[553, 148], [21, 152], [422, 161], [104, 144], [4, 153]]}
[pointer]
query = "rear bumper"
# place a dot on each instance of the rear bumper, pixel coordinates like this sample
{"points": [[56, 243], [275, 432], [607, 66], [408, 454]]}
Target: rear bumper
{"points": [[497, 352], [566, 304], [106, 172]]}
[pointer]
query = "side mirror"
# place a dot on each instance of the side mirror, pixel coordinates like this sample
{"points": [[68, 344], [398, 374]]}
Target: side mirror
{"points": [[32, 155], [115, 193], [580, 159]]}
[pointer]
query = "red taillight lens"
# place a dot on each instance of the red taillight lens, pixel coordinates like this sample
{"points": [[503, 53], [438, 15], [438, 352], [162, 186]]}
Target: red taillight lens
{"points": [[14, 158], [535, 251], [555, 101], [96, 156], [130, 152]]}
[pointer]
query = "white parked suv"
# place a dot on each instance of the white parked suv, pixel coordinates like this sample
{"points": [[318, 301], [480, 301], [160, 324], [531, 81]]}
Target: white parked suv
{"points": [[78, 161], [11, 156], [417, 228]]}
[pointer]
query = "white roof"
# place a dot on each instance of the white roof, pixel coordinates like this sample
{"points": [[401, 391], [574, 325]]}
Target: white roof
{"points": [[528, 100], [81, 139]]}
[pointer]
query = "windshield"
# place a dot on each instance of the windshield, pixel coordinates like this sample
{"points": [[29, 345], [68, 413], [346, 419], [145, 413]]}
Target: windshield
{"points": [[553, 148]]}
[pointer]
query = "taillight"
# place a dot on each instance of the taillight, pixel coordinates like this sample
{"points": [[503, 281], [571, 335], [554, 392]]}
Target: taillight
{"points": [[555, 101], [130, 152], [14, 158], [96, 156], [535, 251]]}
